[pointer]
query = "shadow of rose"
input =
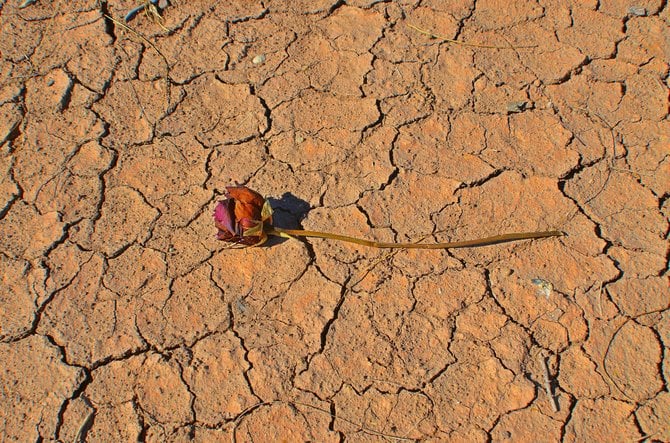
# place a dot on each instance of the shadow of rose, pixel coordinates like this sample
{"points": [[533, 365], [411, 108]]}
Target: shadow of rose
{"points": [[288, 212]]}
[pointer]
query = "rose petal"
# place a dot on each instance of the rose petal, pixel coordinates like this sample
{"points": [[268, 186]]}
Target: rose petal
{"points": [[223, 216], [224, 235], [245, 195], [246, 211]]}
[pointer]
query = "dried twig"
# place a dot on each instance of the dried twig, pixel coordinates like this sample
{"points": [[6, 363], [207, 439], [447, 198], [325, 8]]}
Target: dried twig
{"points": [[547, 384], [362, 428], [474, 45], [86, 423], [155, 48]]}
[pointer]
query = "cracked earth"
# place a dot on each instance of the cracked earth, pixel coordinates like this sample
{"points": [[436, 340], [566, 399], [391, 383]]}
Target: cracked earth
{"points": [[122, 318]]}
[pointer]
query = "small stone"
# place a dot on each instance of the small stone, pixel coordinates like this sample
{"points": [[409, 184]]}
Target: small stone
{"points": [[637, 11], [514, 107], [260, 58]]}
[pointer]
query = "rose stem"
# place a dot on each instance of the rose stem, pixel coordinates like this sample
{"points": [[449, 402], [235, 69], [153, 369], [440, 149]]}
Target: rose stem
{"points": [[449, 245]]}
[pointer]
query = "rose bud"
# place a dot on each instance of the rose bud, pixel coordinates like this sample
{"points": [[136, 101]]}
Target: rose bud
{"points": [[243, 217]]}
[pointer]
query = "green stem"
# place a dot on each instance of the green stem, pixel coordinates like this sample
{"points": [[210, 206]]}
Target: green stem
{"points": [[503, 238]]}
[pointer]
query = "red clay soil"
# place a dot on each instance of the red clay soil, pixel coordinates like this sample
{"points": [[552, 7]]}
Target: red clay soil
{"points": [[122, 318]]}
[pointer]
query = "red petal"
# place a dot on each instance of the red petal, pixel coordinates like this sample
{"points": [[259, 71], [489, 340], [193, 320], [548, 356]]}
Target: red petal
{"points": [[223, 216], [245, 195]]}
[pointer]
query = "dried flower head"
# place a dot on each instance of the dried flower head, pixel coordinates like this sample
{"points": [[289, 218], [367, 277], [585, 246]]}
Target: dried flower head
{"points": [[243, 217]]}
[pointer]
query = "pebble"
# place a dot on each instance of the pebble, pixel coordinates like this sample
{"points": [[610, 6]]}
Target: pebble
{"points": [[637, 11]]}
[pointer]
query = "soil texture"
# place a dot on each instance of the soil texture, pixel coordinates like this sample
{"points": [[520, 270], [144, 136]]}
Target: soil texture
{"points": [[122, 318]]}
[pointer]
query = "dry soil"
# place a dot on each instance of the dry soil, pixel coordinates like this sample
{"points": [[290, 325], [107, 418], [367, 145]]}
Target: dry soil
{"points": [[122, 318]]}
